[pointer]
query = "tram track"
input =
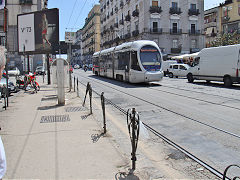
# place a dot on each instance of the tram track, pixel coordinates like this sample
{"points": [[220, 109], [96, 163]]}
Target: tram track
{"points": [[169, 110], [211, 169]]}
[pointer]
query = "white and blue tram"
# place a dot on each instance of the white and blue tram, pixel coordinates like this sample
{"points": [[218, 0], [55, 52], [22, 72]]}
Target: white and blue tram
{"points": [[134, 62]]}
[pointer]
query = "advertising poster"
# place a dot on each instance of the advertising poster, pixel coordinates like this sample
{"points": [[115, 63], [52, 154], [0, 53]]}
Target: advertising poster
{"points": [[38, 31]]}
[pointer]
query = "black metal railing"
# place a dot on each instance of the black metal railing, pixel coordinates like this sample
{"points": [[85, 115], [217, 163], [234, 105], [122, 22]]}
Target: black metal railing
{"points": [[176, 50], [127, 17], [175, 31], [121, 22], [192, 12], [116, 25], [156, 30], [194, 32], [175, 10], [135, 33], [127, 36], [155, 9], [135, 13]]}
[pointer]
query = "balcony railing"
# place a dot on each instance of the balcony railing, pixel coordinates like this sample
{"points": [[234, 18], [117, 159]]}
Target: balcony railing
{"points": [[156, 30], [176, 50], [155, 9], [175, 10], [22, 2], [225, 19], [192, 12], [121, 22], [194, 32], [176, 31], [127, 17], [135, 33], [127, 36], [135, 13]]}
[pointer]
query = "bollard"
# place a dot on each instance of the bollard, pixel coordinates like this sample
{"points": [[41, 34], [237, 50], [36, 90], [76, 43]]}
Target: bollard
{"points": [[74, 83], [225, 172], [77, 89], [103, 110], [133, 129], [87, 89], [90, 98]]}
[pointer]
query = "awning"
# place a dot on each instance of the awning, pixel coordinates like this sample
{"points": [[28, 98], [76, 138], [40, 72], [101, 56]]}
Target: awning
{"points": [[209, 30], [180, 57]]}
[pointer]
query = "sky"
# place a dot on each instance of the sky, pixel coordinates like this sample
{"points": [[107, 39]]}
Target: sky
{"points": [[72, 13]]}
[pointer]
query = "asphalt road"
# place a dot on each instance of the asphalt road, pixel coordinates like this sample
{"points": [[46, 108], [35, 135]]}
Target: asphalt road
{"points": [[203, 118]]}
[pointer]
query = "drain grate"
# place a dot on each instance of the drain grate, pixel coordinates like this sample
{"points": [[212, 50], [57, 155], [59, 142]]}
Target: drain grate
{"points": [[56, 118], [75, 109]]}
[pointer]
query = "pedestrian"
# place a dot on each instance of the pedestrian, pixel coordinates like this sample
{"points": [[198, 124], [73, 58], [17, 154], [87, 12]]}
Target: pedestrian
{"points": [[3, 163]]}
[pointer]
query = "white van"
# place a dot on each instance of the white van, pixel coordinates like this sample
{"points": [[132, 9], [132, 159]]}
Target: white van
{"points": [[217, 64], [166, 65]]}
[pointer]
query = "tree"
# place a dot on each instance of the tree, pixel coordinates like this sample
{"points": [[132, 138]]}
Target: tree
{"points": [[226, 39]]}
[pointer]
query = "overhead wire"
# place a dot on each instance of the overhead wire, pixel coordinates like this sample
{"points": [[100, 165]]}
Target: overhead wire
{"points": [[71, 13], [80, 13]]}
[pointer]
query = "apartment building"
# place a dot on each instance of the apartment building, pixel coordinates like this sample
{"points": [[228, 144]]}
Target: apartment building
{"points": [[91, 34], [175, 25], [211, 25], [13, 8], [77, 53]]}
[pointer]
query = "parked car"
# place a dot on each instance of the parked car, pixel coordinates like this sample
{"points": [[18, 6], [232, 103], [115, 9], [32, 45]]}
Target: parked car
{"points": [[178, 70], [14, 72], [40, 70], [11, 87], [166, 65], [76, 66]]}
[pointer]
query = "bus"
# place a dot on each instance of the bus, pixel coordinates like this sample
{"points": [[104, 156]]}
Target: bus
{"points": [[133, 62]]}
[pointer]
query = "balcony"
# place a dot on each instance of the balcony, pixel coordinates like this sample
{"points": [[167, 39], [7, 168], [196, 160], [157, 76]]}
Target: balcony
{"points": [[135, 13], [127, 36], [156, 30], [24, 2], [121, 4], [176, 31], [175, 11], [176, 50], [194, 32], [155, 9], [192, 12], [135, 33], [225, 19], [121, 22], [127, 17], [116, 25]]}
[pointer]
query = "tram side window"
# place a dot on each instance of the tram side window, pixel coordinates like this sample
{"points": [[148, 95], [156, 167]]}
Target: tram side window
{"points": [[123, 60], [96, 61], [135, 64]]}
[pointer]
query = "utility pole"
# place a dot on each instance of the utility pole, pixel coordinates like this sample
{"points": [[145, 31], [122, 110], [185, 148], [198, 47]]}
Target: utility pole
{"points": [[69, 61], [6, 45], [28, 64]]}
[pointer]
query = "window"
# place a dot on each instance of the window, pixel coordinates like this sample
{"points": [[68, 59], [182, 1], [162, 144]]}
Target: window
{"points": [[175, 43], [174, 5], [182, 67], [155, 3], [135, 64], [155, 26], [193, 6], [194, 43], [174, 27], [175, 66], [193, 28]]}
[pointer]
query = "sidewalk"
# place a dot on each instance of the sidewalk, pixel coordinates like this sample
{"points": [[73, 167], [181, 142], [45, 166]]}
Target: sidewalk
{"points": [[72, 148]]}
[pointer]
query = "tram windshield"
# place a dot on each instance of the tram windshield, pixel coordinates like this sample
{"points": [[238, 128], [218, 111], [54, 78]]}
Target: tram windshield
{"points": [[150, 58]]}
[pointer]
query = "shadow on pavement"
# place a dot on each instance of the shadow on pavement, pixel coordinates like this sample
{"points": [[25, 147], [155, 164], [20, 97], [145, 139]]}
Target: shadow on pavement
{"points": [[124, 84], [217, 85], [126, 176], [96, 137], [48, 107]]}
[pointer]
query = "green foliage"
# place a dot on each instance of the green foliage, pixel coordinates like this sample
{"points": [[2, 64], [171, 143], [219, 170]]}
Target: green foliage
{"points": [[226, 39]]}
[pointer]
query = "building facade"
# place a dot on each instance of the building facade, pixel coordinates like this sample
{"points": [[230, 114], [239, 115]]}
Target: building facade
{"points": [[15, 7], [176, 26], [77, 53], [91, 35], [211, 25]]}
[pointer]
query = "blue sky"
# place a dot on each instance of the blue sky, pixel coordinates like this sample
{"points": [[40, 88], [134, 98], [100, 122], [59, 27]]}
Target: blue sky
{"points": [[72, 13]]}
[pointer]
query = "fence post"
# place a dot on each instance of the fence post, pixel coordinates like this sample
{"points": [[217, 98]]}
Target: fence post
{"points": [[87, 89], [133, 129], [77, 89], [5, 98], [90, 98], [74, 83], [103, 110]]}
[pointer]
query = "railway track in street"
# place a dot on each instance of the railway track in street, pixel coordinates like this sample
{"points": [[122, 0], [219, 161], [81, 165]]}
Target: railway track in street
{"points": [[158, 134]]}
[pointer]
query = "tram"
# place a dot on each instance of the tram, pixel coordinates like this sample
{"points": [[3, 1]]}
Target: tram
{"points": [[134, 62]]}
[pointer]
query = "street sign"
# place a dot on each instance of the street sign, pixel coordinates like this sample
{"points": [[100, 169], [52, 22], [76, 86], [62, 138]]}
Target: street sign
{"points": [[70, 37]]}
